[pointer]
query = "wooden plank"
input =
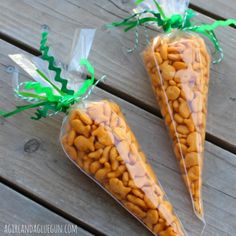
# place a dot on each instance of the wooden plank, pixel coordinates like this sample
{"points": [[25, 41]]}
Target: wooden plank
{"points": [[125, 72], [48, 174], [19, 211], [223, 9]]}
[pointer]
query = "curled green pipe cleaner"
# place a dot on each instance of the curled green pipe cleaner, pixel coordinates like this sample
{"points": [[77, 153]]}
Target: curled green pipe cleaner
{"points": [[40, 89], [176, 21], [50, 99]]}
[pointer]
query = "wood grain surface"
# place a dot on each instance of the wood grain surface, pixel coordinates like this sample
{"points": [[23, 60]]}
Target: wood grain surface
{"points": [[18, 211], [49, 175], [126, 76], [223, 9]]}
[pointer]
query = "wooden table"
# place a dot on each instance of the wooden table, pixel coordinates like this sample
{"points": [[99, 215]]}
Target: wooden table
{"points": [[39, 185]]}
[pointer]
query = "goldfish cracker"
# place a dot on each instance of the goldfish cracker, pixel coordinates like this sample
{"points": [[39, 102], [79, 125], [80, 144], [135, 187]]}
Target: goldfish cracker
{"points": [[181, 87], [101, 143]]}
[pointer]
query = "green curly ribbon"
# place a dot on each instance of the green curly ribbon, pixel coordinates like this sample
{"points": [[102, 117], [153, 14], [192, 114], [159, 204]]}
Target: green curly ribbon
{"points": [[44, 97], [176, 21], [51, 64]]}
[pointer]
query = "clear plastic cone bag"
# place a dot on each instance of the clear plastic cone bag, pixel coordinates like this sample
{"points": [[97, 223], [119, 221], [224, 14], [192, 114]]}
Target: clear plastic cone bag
{"points": [[94, 135], [178, 65], [97, 139]]}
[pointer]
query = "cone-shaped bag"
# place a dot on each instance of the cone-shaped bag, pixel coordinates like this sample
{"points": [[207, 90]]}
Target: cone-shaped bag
{"points": [[178, 65], [97, 138]]}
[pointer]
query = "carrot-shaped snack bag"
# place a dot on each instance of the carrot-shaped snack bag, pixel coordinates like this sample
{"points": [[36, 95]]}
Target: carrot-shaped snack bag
{"points": [[178, 64], [96, 137]]}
